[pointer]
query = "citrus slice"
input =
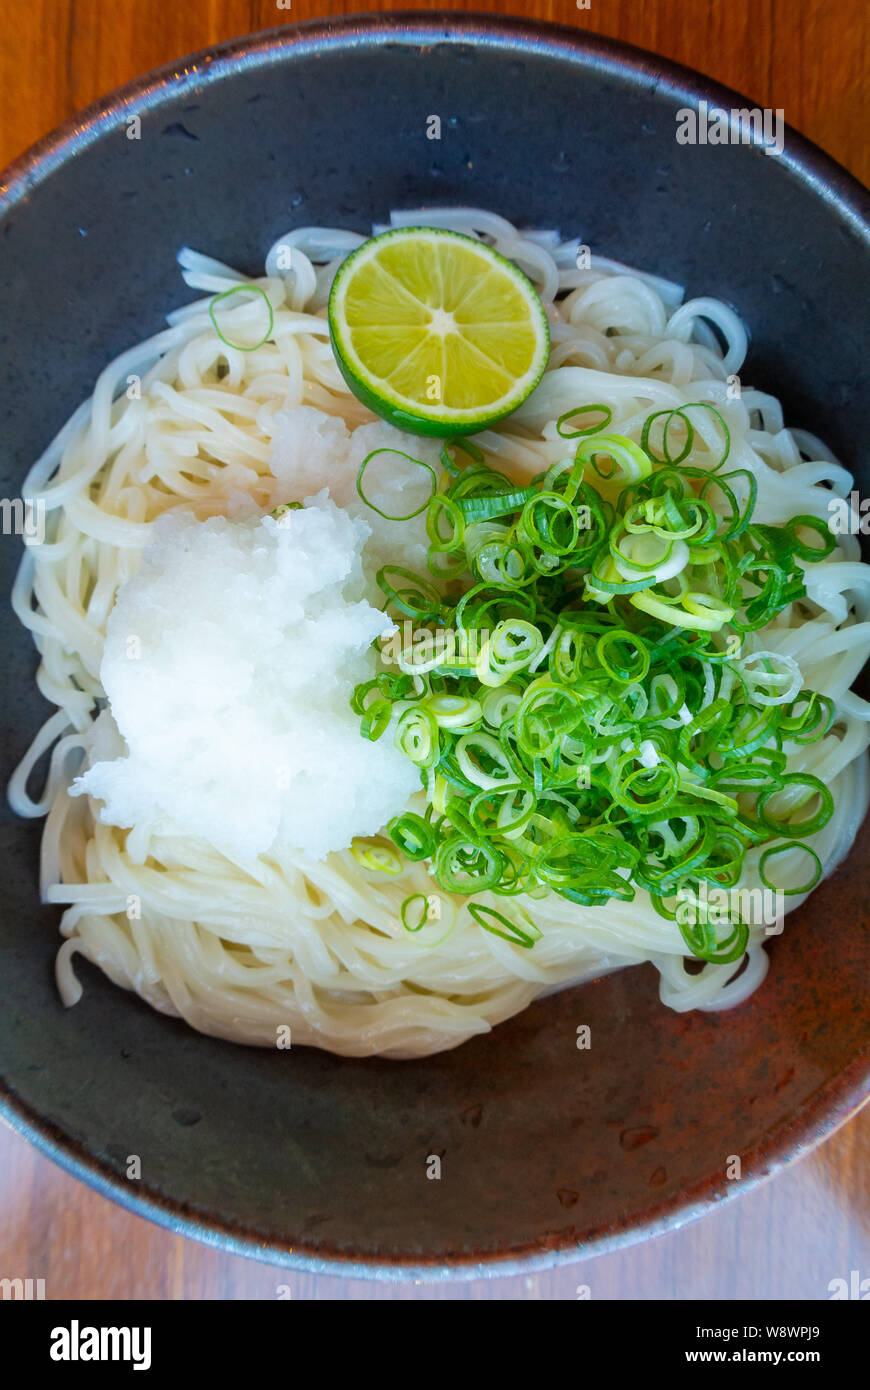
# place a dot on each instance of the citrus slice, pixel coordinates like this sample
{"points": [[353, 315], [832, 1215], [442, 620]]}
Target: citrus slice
{"points": [[436, 332]]}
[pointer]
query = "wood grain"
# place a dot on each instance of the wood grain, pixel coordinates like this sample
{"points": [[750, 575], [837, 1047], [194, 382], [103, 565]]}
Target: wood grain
{"points": [[788, 1239]]}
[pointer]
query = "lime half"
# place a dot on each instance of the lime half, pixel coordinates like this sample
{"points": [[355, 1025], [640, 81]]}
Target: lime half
{"points": [[436, 332]]}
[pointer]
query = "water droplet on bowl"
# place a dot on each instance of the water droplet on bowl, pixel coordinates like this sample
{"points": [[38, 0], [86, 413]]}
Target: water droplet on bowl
{"points": [[637, 1136]]}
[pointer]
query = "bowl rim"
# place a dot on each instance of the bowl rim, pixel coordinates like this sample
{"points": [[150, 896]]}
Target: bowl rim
{"points": [[835, 1101], [828, 178]]}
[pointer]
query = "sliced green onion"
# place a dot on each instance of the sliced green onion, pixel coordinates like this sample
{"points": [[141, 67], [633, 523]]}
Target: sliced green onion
{"points": [[789, 849], [417, 735], [498, 504], [487, 917], [449, 464], [629, 462], [418, 915], [465, 866], [810, 824], [669, 417], [418, 463], [703, 942], [227, 294], [704, 612], [575, 689], [589, 429], [376, 855], [413, 835]]}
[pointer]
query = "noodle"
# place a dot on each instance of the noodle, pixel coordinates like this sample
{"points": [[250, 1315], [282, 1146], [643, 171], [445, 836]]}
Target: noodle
{"points": [[244, 949]]}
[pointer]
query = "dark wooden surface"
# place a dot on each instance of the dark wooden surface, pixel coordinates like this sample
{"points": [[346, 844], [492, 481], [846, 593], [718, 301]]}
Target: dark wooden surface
{"points": [[811, 1224]]}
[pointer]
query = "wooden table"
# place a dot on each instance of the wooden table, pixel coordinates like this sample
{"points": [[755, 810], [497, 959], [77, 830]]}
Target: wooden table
{"points": [[811, 1225]]}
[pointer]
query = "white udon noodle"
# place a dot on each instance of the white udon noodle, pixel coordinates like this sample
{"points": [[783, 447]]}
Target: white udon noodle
{"points": [[241, 950]]}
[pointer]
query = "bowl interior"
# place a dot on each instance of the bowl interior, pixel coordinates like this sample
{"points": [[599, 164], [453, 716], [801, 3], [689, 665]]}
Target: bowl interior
{"points": [[545, 1148]]}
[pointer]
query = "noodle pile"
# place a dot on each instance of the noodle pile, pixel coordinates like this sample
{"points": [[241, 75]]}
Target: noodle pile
{"points": [[244, 948]]}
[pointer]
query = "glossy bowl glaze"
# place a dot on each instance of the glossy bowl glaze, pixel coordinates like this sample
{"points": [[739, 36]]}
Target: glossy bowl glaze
{"points": [[547, 1152]]}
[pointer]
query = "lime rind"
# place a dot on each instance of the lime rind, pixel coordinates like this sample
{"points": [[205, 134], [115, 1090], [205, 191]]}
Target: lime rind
{"points": [[378, 393]]}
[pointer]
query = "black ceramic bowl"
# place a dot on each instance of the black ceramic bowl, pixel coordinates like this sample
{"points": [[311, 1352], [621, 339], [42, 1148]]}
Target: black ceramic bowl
{"points": [[547, 1152]]}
